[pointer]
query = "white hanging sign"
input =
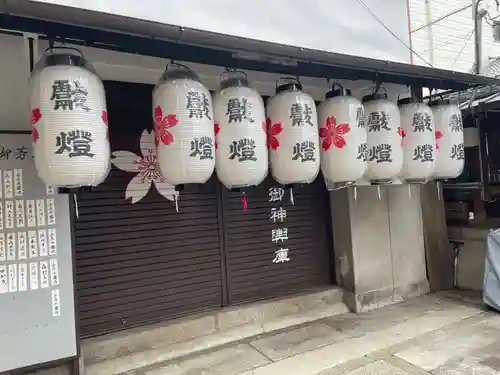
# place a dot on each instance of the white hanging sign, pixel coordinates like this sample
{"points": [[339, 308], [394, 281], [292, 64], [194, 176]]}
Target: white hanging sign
{"points": [[11, 246], [34, 276], [20, 214], [22, 245]]}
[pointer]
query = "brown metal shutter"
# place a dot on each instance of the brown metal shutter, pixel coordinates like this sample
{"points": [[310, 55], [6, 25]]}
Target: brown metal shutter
{"points": [[143, 262], [250, 250]]}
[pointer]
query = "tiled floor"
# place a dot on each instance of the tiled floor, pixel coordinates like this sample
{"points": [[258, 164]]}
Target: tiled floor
{"points": [[444, 334]]}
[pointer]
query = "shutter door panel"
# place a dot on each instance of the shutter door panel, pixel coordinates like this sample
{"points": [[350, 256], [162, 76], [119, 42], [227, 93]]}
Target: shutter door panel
{"points": [[143, 262], [250, 250]]}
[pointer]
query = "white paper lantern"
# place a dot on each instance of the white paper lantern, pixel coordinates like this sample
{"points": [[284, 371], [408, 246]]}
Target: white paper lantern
{"points": [[419, 150], [293, 133], [240, 131], [384, 138], [69, 121], [184, 128], [342, 139], [450, 157]]}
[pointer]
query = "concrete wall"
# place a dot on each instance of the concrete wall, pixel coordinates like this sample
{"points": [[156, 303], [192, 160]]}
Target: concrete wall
{"points": [[379, 245], [471, 256]]}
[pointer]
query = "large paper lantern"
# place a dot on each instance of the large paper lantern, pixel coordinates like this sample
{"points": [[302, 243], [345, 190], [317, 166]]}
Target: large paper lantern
{"points": [[184, 128], [343, 138], [241, 155], [293, 132], [450, 156], [419, 150], [384, 138], [69, 120]]}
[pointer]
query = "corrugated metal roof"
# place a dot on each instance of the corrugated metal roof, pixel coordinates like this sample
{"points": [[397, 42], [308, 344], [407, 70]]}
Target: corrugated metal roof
{"points": [[490, 69]]}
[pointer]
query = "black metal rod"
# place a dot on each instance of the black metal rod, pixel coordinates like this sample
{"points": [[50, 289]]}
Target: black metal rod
{"points": [[31, 48]]}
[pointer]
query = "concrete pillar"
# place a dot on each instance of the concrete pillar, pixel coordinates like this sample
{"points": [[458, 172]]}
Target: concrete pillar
{"points": [[379, 245]]}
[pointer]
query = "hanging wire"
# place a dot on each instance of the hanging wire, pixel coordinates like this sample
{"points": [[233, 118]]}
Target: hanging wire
{"points": [[441, 18], [375, 17], [451, 41], [463, 47]]}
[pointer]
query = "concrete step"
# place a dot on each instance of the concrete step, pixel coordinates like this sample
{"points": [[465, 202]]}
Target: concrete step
{"points": [[125, 351], [405, 339]]}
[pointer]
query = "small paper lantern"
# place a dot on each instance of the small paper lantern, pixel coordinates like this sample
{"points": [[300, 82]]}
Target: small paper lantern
{"points": [[184, 128], [450, 157], [384, 137], [240, 129], [342, 138], [419, 150], [293, 133], [69, 120]]}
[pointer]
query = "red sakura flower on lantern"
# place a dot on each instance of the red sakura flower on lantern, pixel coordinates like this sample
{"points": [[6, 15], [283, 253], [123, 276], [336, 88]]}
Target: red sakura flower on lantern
{"points": [[439, 135], [104, 117], [272, 130], [162, 124], [216, 131], [333, 133], [36, 115], [402, 134]]}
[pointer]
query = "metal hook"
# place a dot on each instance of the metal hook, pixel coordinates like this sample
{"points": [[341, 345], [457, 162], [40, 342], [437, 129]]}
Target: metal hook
{"points": [[377, 84], [288, 78], [176, 64], [230, 71]]}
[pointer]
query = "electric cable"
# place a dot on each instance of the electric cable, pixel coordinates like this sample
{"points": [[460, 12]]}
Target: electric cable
{"points": [[463, 48], [375, 17]]}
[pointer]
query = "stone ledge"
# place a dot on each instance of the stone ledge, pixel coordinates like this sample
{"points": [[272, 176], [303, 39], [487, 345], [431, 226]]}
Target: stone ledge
{"points": [[139, 347], [368, 301]]}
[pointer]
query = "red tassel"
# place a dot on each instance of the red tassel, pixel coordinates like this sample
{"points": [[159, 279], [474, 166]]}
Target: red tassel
{"points": [[244, 202]]}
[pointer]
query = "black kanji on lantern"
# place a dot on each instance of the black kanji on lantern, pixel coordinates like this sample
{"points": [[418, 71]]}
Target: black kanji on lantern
{"points": [[301, 114], [456, 123], [360, 117], [243, 149], [381, 153], [68, 95], [75, 143], [238, 109], [421, 122], [424, 153], [378, 121], [457, 152], [202, 147], [304, 151], [362, 152], [198, 105]]}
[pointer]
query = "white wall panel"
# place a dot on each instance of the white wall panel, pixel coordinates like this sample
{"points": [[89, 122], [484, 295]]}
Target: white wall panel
{"points": [[452, 37]]}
